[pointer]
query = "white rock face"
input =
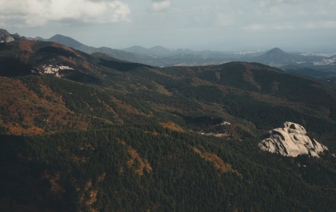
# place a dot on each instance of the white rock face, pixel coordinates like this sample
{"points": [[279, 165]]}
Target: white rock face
{"points": [[52, 69], [291, 141], [9, 39]]}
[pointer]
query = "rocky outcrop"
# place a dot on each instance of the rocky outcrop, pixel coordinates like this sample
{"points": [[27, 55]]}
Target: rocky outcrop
{"points": [[51, 69], [291, 141], [5, 37]]}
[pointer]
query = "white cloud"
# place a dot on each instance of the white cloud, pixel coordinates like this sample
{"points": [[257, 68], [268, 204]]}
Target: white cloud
{"points": [[32, 13], [266, 15], [329, 24], [291, 1], [254, 27], [283, 26], [320, 25], [160, 5]]}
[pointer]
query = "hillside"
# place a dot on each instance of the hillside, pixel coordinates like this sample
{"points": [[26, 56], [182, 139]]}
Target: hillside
{"points": [[83, 132]]}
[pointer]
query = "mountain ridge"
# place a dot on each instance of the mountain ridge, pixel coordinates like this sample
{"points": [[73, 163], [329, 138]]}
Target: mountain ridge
{"points": [[65, 40], [163, 57], [70, 42]]}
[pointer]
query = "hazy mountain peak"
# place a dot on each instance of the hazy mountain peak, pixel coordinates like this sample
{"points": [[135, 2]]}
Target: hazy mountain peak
{"points": [[276, 51], [39, 38], [277, 58], [156, 50], [68, 41], [60, 36], [159, 48], [137, 46], [135, 49]]}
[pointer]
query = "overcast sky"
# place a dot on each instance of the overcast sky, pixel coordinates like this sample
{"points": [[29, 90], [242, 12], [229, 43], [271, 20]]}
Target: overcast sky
{"points": [[225, 25]]}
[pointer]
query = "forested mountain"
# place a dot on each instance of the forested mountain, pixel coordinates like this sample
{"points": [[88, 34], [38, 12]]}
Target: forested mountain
{"points": [[86, 132]]}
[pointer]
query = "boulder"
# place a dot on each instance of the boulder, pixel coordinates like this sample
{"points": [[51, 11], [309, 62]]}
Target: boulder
{"points": [[291, 141]]}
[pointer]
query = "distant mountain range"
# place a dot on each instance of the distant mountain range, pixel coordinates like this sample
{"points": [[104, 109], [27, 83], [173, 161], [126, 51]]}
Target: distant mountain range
{"points": [[161, 56], [278, 58], [155, 56], [313, 66], [157, 50], [70, 42], [310, 65]]}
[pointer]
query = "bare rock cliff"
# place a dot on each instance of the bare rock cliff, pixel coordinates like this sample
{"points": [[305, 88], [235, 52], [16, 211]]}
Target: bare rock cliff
{"points": [[291, 141]]}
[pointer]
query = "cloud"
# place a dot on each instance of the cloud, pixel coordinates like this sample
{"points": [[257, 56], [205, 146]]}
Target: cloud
{"points": [[33, 13], [291, 1], [266, 15], [320, 25], [160, 5], [254, 27]]}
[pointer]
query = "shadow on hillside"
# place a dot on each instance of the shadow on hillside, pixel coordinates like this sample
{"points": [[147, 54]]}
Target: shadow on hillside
{"points": [[14, 67], [121, 66], [58, 51], [80, 77], [202, 121]]}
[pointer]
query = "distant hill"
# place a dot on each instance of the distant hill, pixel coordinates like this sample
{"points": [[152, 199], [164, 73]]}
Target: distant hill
{"points": [[137, 50], [160, 51], [154, 51], [277, 58], [70, 42]]}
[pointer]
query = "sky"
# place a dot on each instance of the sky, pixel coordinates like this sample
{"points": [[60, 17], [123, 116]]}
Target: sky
{"points": [[221, 25]]}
